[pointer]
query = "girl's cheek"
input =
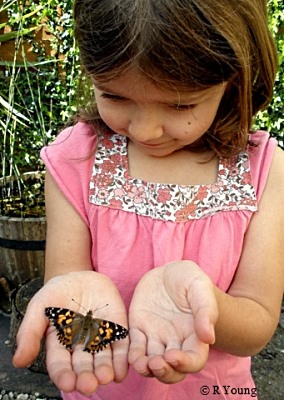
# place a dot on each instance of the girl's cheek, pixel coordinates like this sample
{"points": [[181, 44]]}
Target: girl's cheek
{"points": [[113, 120], [105, 113]]}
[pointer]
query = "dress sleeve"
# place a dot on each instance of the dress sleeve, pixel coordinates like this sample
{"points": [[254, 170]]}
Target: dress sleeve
{"points": [[69, 160], [260, 160]]}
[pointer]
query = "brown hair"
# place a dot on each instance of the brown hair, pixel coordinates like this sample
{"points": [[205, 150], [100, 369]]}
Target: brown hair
{"points": [[186, 44]]}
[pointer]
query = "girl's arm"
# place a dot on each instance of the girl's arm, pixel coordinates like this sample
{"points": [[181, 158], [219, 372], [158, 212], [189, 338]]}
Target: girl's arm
{"points": [[175, 307], [69, 275], [68, 242], [249, 312]]}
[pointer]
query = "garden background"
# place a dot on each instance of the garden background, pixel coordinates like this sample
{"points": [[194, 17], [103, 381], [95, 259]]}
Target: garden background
{"points": [[41, 81], [41, 86]]}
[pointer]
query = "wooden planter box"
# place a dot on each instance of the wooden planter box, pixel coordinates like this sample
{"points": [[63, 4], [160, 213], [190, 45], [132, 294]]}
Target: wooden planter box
{"points": [[22, 254], [22, 244]]}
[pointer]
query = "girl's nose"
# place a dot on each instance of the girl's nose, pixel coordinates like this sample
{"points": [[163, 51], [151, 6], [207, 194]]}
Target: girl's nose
{"points": [[145, 126]]}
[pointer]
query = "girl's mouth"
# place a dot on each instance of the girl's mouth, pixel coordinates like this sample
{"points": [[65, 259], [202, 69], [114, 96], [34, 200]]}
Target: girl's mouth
{"points": [[145, 144]]}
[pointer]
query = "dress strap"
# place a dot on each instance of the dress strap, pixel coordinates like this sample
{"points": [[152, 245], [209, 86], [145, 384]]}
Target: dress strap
{"points": [[260, 160]]}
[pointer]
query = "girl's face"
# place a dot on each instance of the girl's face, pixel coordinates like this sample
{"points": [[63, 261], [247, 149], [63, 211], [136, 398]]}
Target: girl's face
{"points": [[157, 121]]}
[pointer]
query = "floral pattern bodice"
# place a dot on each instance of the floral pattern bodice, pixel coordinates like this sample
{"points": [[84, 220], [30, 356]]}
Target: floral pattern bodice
{"points": [[112, 186]]}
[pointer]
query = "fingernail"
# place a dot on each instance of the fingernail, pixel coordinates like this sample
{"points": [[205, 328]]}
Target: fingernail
{"points": [[212, 331], [174, 363], [159, 372]]}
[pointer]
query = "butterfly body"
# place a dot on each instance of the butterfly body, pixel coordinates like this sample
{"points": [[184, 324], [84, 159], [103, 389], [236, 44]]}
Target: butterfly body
{"points": [[73, 328]]}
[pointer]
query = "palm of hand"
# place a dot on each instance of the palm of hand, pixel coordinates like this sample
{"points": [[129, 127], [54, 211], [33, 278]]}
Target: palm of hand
{"points": [[78, 370], [171, 313], [170, 327]]}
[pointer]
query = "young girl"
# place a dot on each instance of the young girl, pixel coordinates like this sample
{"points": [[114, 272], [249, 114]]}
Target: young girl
{"points": [[163, 204]]}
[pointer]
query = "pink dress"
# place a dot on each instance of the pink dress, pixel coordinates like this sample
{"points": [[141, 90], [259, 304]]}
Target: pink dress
{"points": [[137, 225]]}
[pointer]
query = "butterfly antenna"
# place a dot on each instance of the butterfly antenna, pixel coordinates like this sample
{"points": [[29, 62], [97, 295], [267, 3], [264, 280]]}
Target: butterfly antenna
{"points": [[80, 305], [101, 307]]}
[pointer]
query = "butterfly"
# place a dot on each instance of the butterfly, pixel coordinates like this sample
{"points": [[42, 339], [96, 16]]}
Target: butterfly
{"points": [[73, 328]]}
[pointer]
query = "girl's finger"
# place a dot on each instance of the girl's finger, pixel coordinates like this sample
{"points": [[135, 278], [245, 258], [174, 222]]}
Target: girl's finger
{"points": [[59, 364], [30, 332], [137, 355], [103, 366], [138, 345], [188, 360], [163, 371], [26, 353], [83, 366], [120, 359]]}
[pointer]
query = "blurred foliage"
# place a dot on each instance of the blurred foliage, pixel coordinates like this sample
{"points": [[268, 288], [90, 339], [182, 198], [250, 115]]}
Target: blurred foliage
{"points": [[272, 119], [37, 97]]}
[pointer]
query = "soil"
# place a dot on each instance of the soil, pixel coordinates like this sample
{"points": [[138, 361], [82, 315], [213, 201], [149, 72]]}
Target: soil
{"points": [[268, 366]]}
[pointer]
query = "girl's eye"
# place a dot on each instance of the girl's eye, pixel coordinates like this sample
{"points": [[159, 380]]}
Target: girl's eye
{"points": [[183, 107], [113, 97]]}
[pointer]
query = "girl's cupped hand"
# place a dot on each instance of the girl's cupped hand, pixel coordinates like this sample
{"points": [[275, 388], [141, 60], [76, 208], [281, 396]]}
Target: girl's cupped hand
{"points": [[172, 317], [78, 370]]}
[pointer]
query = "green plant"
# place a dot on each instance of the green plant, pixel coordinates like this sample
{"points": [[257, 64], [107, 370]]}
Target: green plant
{"points": [[272, 119], [36, 98]]}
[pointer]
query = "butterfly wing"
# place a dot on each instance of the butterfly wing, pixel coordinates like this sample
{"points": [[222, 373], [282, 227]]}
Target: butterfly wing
{"points": [[73, 327], [68, 325], [102, 333]]}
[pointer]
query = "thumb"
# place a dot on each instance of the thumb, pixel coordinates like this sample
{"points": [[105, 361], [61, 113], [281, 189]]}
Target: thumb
{"points": [[204, 308], [30, 334], [193, 291]]}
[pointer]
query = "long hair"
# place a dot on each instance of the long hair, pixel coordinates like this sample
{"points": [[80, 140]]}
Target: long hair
{"points": [[187, 45]]}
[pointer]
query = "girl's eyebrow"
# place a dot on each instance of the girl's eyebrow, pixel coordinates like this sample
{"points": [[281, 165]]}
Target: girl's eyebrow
{"points": [[101, 87], [181, 97]]}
